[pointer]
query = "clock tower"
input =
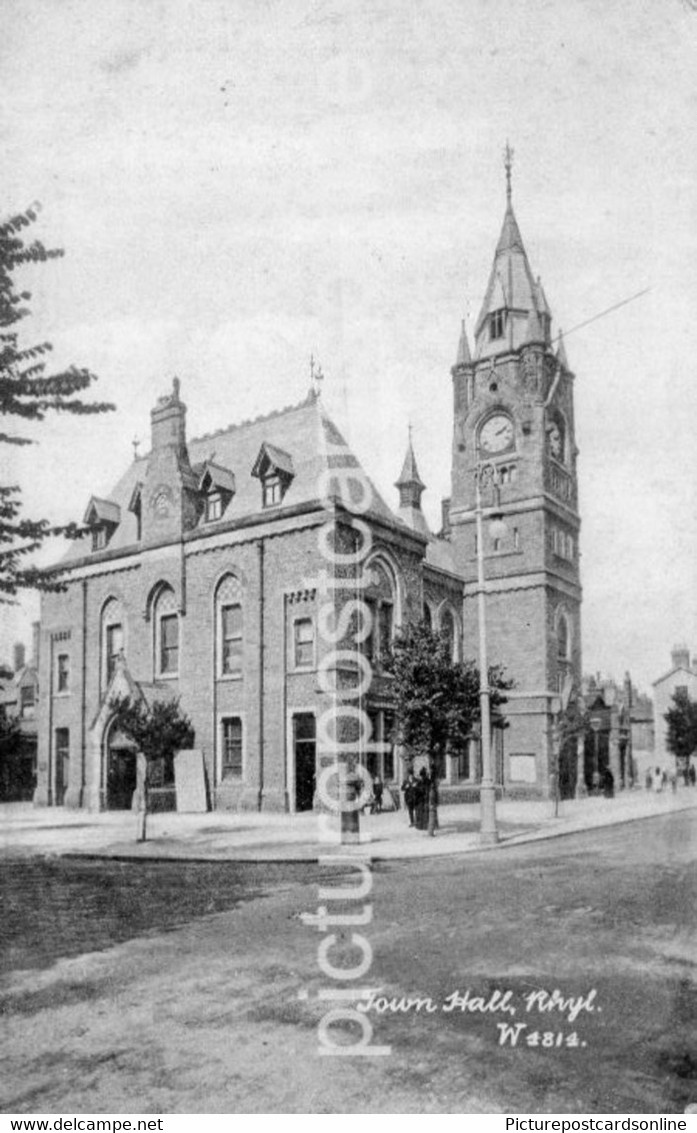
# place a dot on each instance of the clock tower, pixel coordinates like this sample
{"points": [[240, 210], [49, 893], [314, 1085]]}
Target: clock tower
{"points": [[514, 433]]}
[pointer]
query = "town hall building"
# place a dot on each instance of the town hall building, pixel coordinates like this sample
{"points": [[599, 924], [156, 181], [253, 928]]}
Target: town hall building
{"points": [[195, 579]]}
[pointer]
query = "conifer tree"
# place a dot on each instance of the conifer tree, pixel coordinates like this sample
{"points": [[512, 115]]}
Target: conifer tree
{"points": [[28, 391]]}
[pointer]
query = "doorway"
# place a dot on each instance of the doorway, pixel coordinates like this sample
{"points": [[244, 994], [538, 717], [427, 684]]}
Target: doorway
{"points": [[120, 771], [305, 756]]}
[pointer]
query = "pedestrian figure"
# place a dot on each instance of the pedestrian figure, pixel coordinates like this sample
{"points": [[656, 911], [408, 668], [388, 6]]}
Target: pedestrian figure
{"points": [[692, 774], [378, 787], [673, 779], [657, 780], [409, 787], [596, 782], [648, 779], [608, 784], [421, 807]]}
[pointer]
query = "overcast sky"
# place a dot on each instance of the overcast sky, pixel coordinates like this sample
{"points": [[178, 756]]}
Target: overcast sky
{"points": [[238, 184]]}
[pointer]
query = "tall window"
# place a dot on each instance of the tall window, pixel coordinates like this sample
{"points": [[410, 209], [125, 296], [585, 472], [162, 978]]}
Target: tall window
{"points": [[27, 700], [449, 631], [385, 622], [563, 639], [167, 634], [112, 639], [229, 627], [303, 643], [114, 646], [231, 729], [169, 644], [498, 319], [379, 598], [63, 673], [231, 640]]}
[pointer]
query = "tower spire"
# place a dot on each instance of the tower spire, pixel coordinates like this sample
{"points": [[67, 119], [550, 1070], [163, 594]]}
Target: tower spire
{"points": [[410, 487]]}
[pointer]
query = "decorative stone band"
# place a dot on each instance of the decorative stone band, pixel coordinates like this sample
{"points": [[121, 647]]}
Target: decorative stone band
{"points": [[531, 581]]}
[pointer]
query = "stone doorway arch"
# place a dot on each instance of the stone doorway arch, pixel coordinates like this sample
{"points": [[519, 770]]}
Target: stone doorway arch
{"points": [[120, 769]]}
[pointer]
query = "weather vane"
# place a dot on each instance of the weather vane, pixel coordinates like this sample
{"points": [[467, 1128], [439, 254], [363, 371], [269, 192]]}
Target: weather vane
{"points": [[508, 162], [316, 376]]}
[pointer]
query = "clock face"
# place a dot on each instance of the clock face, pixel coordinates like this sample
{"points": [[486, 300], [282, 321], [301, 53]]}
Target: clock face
{"points": [[556, 445], [496, 434]]}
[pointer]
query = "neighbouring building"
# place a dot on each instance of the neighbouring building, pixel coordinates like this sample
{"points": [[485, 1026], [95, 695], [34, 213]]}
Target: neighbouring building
{"points": [[681, 675], [620, 732], [19, 700], [198, 578]]}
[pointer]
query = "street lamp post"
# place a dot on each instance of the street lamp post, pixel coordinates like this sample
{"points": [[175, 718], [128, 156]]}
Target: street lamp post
{"points": [[489, 835]]}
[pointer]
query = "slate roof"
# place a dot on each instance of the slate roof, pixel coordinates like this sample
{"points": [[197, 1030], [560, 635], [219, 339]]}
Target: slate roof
{"points": [[301, 433], [511, 287]]}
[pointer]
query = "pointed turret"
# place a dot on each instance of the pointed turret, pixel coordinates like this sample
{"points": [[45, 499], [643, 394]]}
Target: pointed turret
{"points": [[515, 309], [464, 357], [411, 487]]}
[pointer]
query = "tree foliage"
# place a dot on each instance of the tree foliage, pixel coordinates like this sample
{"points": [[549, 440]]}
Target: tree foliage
{"points": [[10, 746], [28, 392], [437, 699], [681, 718], [158, 730]]}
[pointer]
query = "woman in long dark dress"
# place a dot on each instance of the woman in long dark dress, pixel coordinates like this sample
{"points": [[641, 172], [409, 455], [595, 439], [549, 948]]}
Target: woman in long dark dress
{"points": [[421, 808]]}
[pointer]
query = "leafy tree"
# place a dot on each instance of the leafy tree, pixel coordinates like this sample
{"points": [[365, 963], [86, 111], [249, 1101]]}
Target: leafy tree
{"points": [[681, 718], [27, 391], [10, 754], [159, 731], [437, 699]]}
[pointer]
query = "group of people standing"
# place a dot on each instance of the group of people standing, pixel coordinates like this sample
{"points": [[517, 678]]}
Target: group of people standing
{"points": [[421, 800]]}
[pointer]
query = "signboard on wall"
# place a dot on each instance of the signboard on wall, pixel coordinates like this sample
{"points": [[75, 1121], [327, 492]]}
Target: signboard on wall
{"points": [[521, 768], [190, 782]]}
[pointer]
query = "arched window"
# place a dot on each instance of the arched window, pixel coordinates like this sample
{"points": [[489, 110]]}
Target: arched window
{"points": [[380, 600], [449, 630], [563, 639], [428, 616], [112, 639], [166, 623], [229, 628]]}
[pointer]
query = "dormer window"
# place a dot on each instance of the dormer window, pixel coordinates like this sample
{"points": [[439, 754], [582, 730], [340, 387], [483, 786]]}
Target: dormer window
{"points": [[272, 491], [214, 506], [102, 517], [218, 487], [274, 468], [99, 538], [497, 324]]}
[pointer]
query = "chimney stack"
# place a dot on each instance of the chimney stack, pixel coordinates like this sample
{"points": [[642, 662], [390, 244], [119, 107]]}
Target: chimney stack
{"points": [[680, 657], [18, 656]]}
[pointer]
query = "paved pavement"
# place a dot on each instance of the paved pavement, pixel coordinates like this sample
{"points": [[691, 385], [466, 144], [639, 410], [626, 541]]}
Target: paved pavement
{"points": [[226, 836]]}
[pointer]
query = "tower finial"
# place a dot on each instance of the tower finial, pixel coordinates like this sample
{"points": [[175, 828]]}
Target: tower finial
{"points": [[316, 377], [508, 162]]}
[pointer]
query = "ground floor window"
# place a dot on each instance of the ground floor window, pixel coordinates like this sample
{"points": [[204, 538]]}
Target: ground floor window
{"points": [[383, 731], [304, 759], [231, 732], [62, 752]]}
